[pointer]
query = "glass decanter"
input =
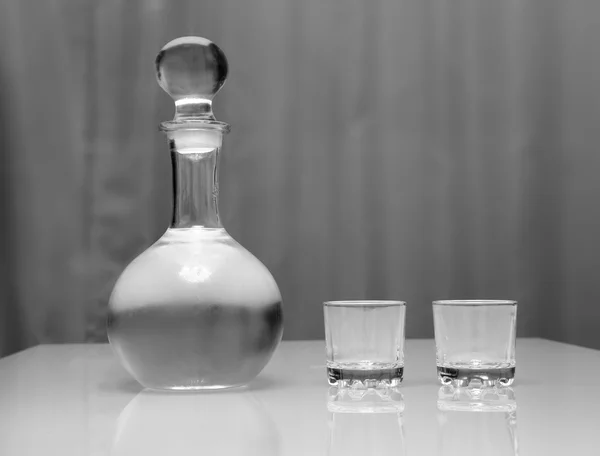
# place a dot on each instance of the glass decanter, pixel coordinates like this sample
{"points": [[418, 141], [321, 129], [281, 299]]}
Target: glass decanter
{"points": [[195, 310]]}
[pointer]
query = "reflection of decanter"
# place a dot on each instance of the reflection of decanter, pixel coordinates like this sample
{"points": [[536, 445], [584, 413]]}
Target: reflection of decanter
{"points": [[366, 422], [156, 424], [477, 421], [195, 310]]}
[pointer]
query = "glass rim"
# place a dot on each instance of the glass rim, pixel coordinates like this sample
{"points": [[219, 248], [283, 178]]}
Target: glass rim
{"points": [[475, 302], [364, 303]]}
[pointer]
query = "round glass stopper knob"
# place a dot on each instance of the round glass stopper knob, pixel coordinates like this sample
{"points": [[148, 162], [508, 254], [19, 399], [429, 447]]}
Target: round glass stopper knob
{"points": [[191, 70]]}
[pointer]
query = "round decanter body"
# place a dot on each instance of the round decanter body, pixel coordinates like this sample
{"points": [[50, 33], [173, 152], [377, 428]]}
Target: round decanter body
{"points": [[195, 311]]}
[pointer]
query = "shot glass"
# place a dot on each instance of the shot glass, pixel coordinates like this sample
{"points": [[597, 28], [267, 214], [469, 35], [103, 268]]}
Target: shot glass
{"points": [[475, 342], [365, 343]]}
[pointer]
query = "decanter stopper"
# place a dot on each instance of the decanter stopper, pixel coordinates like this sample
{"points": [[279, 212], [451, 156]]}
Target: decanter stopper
{"points": [[191, 70]]}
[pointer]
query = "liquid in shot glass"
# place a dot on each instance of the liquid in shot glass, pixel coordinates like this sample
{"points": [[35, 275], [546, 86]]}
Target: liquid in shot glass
{"points": [[365, 343], [475, 342]]}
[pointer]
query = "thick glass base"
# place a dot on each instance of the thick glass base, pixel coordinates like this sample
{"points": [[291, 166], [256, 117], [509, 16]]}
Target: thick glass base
{"points": [[476, 377], [357, 376]]}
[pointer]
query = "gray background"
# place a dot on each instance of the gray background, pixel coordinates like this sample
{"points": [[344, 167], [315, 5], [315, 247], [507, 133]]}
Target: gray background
{"points": [[413, 149]]}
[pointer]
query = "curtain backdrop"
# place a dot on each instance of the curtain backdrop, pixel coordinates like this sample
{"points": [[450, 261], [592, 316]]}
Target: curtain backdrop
{"points": [[405, 149]]}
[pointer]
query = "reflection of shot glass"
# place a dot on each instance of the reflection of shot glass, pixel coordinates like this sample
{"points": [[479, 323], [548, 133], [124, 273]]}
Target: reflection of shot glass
{"points": [[365, 422], [365, 343], [477, 421], [475, 342], [476, 400]]}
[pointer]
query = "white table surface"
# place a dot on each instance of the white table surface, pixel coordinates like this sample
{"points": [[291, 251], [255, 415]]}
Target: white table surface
{"points": [[77, 400]]}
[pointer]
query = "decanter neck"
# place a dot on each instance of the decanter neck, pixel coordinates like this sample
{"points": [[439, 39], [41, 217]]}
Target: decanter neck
{"points": [[195, 159]]}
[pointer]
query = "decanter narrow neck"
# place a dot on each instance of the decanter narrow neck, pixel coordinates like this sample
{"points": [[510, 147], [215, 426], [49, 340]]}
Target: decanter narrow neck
{"points": [[195, 159]]}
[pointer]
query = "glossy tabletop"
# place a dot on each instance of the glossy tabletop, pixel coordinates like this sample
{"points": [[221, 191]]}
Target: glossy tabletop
{"points": [[77, 400]]}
